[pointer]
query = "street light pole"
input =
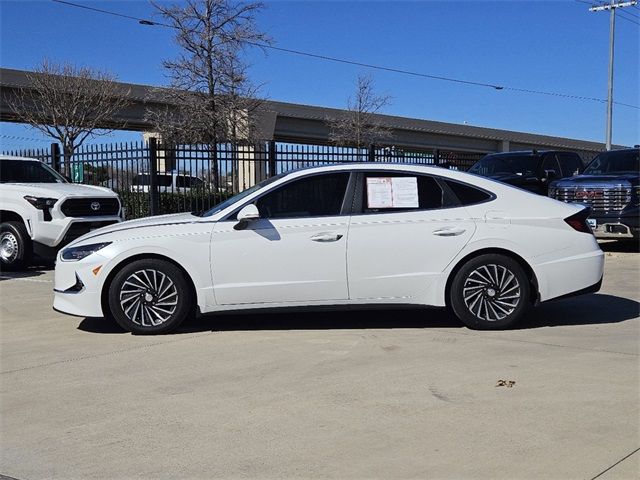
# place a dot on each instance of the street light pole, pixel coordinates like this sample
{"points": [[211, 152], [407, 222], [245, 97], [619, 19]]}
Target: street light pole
{"points": [[612, 28]]}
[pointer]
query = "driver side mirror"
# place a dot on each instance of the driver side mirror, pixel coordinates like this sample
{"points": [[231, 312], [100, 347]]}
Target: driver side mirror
{"points": [[550, 174], [246, 214]]}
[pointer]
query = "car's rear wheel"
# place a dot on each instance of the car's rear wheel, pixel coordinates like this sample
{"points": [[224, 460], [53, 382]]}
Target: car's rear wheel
{"points": [[150, 296], [490, 292], [15, 246]]}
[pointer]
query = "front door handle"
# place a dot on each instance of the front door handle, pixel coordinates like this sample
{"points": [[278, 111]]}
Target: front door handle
{"points": [[326, 237], [449, 232]]}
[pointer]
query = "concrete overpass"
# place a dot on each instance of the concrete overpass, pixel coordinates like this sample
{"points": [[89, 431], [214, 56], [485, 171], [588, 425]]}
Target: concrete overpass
{"points": [[296, 123]]}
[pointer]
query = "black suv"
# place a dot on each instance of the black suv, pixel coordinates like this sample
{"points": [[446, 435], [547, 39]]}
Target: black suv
{"points": [[531, 170], [610, 185]]}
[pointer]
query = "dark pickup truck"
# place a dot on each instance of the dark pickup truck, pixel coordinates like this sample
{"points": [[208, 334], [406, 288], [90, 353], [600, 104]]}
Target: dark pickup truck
{"points": [[610, 186], [531, 170]]}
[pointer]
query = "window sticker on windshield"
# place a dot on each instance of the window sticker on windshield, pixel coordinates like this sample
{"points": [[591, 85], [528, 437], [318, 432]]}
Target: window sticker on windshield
{"points": [[392, 192]]}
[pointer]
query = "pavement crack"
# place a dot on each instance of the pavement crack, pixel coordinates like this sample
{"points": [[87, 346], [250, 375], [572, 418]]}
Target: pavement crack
{"points": [[488, 337], [106, 354], [617, 463]]}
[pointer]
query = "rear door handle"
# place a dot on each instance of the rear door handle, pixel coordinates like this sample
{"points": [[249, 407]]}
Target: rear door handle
{"points": [[326, 237], [449, 232]]}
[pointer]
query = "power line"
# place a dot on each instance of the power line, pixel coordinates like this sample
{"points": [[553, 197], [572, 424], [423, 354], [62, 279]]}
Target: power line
{"points": [[629, 13], [20, 138], [143, 21], [115, 14], [622, 16], [621, 13]]}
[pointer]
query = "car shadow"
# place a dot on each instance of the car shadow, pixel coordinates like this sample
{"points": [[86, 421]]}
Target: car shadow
{"points": [[585, 310], [594, 309], [620, 246], [31, 272]]}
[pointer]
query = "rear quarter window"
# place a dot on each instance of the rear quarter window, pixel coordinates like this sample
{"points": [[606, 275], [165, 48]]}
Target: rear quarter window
{"points": [[468, 195]]}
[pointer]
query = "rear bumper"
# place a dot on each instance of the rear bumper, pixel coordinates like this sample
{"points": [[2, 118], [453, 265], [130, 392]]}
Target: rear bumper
{"points": [[591, 289], [570, 276]]}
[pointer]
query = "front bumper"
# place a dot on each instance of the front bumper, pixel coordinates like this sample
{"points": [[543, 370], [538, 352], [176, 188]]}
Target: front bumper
{"points": [[61, 231], [78, 286]]}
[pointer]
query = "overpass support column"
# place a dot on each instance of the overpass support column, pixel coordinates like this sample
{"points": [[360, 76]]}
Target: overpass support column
{"points": [[504, 146], [251, 164]]}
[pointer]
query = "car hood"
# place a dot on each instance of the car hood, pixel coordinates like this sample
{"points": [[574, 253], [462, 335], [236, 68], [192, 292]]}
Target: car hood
{"points": [[614, 178], [506, 177], [155, 221], [58, 190], [131, 226]]}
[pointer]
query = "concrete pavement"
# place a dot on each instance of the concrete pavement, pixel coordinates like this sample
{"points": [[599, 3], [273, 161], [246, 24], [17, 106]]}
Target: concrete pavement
{"points": [[374, 394]]}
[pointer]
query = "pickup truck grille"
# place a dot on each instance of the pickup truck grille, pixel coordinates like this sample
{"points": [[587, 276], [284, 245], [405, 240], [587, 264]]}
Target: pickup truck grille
{"points": [[600, 198], [90, 207]]}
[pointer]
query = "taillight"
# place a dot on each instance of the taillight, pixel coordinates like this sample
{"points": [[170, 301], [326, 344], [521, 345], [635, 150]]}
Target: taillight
{"points": [[578, 221]]}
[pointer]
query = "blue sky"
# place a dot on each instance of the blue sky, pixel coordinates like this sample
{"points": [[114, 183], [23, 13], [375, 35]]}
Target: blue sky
{"points": [[554, 46]]}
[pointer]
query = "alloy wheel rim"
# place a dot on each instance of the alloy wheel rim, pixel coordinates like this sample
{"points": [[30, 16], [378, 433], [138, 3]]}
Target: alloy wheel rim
{"points": [[148, 297], [9, 248], [491, 292]]}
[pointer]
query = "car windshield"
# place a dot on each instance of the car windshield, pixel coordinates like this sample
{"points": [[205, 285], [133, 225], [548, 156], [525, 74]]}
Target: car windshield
{"points": [[621, 161], [240, 196], [28, 171], [510, 164]]}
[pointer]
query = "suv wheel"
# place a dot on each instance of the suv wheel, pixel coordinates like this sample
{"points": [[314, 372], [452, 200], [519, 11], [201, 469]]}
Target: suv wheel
{"points": [[490, 292], [150, 296], [15, 246]]}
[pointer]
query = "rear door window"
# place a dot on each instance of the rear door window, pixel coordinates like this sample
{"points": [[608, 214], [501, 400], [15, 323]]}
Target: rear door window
{"points": [[386, 192]]}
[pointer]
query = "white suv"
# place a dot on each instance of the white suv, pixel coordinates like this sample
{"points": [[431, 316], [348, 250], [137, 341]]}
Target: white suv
{"points": [[40, 211]]}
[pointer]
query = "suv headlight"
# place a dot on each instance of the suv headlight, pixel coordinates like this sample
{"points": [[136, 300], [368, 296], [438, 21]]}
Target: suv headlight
{"points": [[40, 202], [80, 252]]}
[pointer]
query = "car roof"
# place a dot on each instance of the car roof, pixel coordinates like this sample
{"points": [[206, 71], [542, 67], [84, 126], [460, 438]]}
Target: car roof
{"points": [[12, 157], [527, 152]]}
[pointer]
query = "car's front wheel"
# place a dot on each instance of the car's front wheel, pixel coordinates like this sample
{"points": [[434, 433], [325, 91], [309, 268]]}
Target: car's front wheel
{"points": [[490, 292], [150, 296], [15, 246]]}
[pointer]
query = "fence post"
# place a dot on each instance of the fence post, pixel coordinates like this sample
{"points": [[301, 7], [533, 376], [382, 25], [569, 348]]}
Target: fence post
{"points": [[153, 176], [436, 157], [55, 157], [372, 153], [272, 158]]}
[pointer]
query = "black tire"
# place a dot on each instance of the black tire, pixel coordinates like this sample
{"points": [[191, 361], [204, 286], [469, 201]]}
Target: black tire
{"points": [[16, 249], [490, 292], [140, 299]]}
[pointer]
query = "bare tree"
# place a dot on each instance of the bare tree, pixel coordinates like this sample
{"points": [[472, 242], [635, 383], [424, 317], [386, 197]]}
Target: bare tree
{"points": [[359, 126], [70, 104], [211, 97]]}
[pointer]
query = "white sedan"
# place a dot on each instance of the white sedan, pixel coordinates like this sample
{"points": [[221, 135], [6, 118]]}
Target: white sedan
{"points": [[338, 235]]}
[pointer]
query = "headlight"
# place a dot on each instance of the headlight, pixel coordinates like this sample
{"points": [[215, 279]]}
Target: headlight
{"points": [[78, 253], [40, 202]]}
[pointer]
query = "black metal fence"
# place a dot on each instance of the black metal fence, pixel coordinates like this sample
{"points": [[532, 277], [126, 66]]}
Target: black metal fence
{"points": [[152, 178]]}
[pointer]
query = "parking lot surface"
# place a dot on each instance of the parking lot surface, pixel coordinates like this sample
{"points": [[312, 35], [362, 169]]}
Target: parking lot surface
{"points": [[349, 394]]}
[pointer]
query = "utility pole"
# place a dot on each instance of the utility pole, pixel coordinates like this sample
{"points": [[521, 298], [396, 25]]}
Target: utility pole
{"points": [[612, 28]]}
